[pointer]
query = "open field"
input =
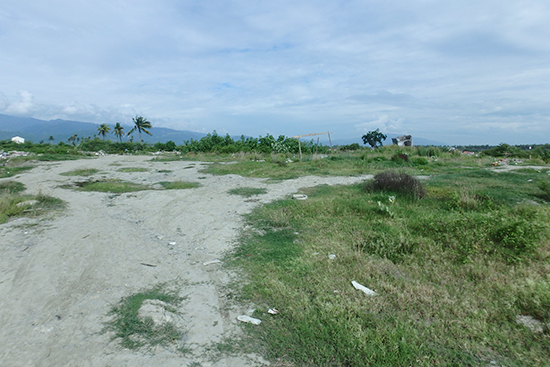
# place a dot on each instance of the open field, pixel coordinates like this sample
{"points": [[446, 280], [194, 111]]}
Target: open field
{"points": [[62, 274], [200, 245]]}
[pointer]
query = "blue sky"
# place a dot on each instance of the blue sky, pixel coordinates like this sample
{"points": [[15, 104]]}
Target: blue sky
{"points": [[461, 72]]}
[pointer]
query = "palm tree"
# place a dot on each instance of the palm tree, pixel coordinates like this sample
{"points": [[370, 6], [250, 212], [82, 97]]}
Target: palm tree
{"points": [[51, 139], [72, 139], [140, 124], [103, 130], [117, 130]]}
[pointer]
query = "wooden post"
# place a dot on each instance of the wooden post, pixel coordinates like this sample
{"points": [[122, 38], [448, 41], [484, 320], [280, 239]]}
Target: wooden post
{"points": [[300, 136]]}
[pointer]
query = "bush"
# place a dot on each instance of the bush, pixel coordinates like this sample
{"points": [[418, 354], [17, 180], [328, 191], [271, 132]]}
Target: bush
{"points": [[396, 182]]}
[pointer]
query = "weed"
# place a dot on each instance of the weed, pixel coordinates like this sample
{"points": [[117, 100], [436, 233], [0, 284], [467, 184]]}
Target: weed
{"points": [[134, 331], [14, 205], [133, 169], [396, 182], [81, 172], [114, 186], [179, 185], [12, 171], [247, 191], [12, 187]]}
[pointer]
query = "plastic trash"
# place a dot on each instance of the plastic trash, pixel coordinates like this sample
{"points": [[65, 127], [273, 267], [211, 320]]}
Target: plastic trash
{"points": [[250, 320], [299, 197], [211, 262], [273, 311], [362, 288], [332, 256]]}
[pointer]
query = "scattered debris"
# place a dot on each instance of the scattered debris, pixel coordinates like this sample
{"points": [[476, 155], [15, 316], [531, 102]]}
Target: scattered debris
{"points": [[27, 203], [211, 262], [299, 197], [273, 311], [248, 319], [172, 243], [362, 288], [151, 265], [332, 256]]}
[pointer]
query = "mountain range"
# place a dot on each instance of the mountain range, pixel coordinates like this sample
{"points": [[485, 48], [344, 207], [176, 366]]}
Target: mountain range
{"points": [[37, 130]]}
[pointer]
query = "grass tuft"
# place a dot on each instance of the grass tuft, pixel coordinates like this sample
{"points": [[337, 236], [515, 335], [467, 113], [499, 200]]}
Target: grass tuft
{"points": [[179, 185], [247, 191], [81, 172], [134, 331]]}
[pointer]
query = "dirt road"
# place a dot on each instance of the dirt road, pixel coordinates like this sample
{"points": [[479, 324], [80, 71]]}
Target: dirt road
{"points": [[60, 275]]}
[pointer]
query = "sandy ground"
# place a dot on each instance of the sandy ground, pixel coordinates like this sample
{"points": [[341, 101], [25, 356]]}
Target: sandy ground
{"points": [[60, 275]]}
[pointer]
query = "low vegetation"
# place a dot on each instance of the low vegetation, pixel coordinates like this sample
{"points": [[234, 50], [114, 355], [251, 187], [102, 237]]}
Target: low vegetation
{"points": [[111, 186], [452, 270], [14, 204], [81, 172], [133, 169], [135, 332], [247, 191], [179, 185]]}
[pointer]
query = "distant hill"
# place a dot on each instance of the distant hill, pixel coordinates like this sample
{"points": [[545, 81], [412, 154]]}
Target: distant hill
{"points": [[37, 130]]}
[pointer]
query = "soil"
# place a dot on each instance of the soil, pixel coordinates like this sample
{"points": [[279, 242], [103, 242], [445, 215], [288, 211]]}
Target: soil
{"points": [[60, 274]]}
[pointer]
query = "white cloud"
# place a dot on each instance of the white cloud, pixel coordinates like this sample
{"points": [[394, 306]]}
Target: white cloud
{"points": [[22, 106], [418, 67]]}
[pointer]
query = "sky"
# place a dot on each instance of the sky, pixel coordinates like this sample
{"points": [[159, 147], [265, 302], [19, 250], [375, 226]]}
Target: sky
{"points": [[456, 72]]}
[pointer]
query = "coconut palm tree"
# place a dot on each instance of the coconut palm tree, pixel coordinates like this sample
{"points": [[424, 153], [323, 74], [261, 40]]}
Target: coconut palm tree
{"points": [[103, 130], [118, 131], [140, 124], [51, 139]]}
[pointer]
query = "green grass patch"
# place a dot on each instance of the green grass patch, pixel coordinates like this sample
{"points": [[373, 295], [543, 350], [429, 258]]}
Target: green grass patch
{"points": [[247, 191], [112, 186], [133, 169], [11, 187], [179, 185], [12, 204], [81, 172], [12, 171], [134, 331], [451, 271], [164, 171]]}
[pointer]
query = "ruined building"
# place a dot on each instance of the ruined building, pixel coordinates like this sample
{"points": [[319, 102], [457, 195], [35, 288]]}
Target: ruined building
{"points": [[403, 141]]}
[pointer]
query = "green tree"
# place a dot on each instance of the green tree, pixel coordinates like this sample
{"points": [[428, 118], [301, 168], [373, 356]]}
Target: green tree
{"points": [[103, 130], [118, 131], [374, 138], [51, 139], [140, 124]]}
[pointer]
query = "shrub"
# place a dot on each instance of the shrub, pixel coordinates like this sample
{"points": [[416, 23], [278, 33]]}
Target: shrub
{"points": [[396, 182]]}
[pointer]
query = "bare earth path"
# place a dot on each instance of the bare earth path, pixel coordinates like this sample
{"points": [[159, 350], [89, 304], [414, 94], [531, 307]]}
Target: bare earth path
{"points": [[60, 276]]}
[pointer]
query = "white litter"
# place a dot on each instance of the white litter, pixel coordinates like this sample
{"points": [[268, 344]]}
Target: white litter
{"points": [[332, 256], [273, 311], [211, 262], [251, 320], [299, 197], [172, 243], [362, 288]]}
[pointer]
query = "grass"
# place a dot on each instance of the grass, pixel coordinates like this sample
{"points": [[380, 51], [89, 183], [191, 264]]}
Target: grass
{"points": [[247, 191], [133, 169], [81, 172], [13, 204], [12, 171], [111, 186], [179, 185], [135, 332], [451, 270]]}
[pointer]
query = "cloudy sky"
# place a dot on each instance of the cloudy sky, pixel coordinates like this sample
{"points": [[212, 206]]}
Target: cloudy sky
{"points": [[458, 72]]}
